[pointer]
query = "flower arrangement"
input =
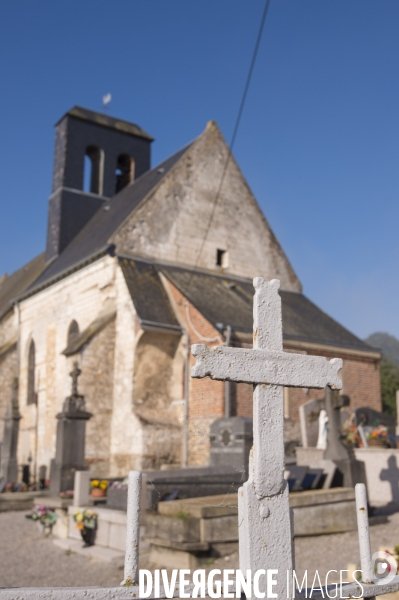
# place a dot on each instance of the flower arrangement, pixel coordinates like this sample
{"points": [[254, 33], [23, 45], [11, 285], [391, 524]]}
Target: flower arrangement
{"points": [[378, 433], [99, 488], [45, 515], [86, 522], [97, 484], [352, 436], [85, 519]]}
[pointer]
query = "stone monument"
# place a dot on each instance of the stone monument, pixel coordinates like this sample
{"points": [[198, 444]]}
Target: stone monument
{"points": [[350, 471], [9, 465], [70, 446], [231, 441]]}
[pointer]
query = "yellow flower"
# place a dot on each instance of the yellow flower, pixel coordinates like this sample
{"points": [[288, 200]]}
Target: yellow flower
{"points": [[78, 517], [95, 483], [104, 484]]}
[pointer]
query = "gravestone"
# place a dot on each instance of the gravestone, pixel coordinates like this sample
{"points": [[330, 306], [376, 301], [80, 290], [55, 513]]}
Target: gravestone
{"points": [[350, 471], [9, 465], [263, 501], [70, 445], [231, 441], [309, 418]]}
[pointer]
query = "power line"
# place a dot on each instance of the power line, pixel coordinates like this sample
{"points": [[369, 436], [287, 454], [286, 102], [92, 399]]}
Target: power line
{"points": [[233, 138]]}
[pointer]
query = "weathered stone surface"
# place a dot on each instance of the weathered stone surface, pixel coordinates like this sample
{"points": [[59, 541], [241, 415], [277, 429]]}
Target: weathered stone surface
{"points": [[179, 528], [162, 227], [263, 506]]}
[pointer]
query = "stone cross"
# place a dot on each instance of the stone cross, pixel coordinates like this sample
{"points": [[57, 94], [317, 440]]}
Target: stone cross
{"points": [[75, 374], [265, 531]]}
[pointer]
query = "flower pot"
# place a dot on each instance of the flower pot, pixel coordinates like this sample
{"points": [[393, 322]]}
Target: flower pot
{"points": [[376, 443], [88, 535], [98, 493]]}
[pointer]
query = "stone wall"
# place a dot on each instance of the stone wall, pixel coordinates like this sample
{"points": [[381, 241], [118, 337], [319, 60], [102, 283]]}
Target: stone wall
{"points": [[8, 361], [97, 384], [170, 224], [45, 318], [8, 369]]}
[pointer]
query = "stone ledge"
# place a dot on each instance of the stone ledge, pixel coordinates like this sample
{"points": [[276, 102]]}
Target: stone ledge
{"points": [[186, 546], [96, 552]]}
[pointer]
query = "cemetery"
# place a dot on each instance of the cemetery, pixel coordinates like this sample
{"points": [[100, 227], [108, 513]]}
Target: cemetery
{"points": [[250, 496]]}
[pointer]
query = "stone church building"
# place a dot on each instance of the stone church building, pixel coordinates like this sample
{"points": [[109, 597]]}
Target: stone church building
{"points": [[130, 278]]}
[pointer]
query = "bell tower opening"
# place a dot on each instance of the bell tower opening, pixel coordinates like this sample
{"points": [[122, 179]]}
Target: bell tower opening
{"points": [[93, 170], [124, 173]]}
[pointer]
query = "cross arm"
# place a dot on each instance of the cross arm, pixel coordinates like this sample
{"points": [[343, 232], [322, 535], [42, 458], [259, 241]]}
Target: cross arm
{"points": [[264, 366]]}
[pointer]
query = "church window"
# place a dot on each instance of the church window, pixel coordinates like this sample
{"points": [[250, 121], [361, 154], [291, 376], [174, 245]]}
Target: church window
{"points": [[31, 397], [93, 170], [222, 258], [73, 332], [124, 172]]}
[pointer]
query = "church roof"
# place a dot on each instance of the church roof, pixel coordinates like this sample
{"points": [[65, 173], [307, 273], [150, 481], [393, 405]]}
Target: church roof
{"points": [[15, 284], [106, 121], [93, 239], [149, 295], [228, 301]]}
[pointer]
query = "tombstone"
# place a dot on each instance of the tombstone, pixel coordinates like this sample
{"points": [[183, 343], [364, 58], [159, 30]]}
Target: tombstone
{"points": [[263, 501], [349, 470], [9, 465], [81, 488], [231, 441], [70, 445], [309, 418]]}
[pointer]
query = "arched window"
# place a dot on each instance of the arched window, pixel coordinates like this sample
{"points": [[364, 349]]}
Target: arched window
{"points": [[73, 332], [93, 170], [31, 396], [124, 172]]}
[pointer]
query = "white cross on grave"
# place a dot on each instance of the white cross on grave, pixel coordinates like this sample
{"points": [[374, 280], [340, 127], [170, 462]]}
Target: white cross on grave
{"points": [[265, 528]]}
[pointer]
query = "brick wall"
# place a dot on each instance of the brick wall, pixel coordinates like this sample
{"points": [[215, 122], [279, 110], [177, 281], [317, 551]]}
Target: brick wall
{"points": [[361, 381]]}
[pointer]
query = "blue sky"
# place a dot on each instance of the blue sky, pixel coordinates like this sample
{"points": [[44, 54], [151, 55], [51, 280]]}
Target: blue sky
{"points": [[319, 137]]}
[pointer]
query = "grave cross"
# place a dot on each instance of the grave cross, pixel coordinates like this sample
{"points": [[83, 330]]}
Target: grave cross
{"points": [[75, 374], [264, 516]]}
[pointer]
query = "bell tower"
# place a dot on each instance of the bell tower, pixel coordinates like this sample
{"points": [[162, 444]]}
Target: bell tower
{"points": [[96, 156]]}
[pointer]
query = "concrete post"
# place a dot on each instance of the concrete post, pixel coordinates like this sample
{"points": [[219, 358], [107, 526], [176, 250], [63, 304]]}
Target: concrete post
{"points": [[132, 528], [363, 532]]}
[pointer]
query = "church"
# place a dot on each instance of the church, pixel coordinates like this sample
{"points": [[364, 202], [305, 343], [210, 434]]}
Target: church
{"points": [[141, 262]]}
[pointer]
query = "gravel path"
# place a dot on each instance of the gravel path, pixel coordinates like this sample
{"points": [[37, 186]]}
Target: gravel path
{"points": [[27, 559]]}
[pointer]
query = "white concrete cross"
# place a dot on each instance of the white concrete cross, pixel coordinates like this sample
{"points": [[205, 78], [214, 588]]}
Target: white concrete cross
{"points": [[265, 532]]}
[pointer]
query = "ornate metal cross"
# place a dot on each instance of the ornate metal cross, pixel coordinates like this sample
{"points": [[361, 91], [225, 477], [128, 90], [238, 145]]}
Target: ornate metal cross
{"points": [[265, 532]]}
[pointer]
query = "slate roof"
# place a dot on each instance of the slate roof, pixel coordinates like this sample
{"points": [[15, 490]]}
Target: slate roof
{"points": [[229, 301], [18, 282], [148, 294], [94, 237], [106, 121]]}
